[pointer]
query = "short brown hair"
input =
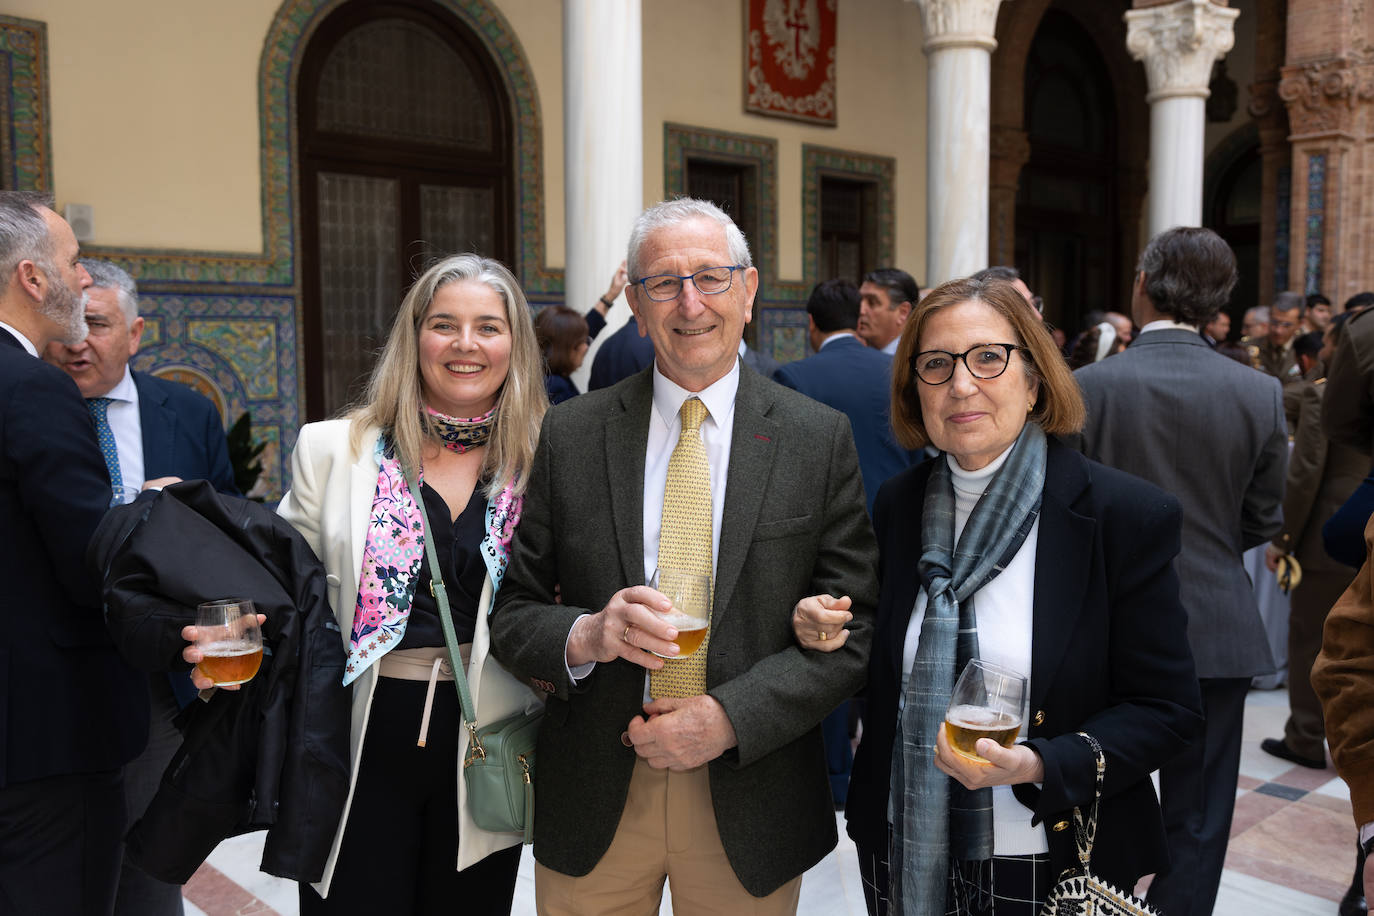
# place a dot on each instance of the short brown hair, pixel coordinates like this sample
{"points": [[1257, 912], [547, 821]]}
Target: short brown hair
{"points": [[560, 331], [1059, 405]]}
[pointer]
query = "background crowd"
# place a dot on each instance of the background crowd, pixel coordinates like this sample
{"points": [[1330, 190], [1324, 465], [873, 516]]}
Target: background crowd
{"points": [[945, 478]]}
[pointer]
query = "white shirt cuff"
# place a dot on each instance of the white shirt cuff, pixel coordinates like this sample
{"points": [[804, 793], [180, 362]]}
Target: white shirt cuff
{"points": [[1366, 832], [581, 671]]}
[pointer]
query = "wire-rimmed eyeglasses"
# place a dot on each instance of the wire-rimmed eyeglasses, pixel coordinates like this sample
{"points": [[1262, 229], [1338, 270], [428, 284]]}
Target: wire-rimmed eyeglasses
{"points": [[983, 361], [709, 280]]}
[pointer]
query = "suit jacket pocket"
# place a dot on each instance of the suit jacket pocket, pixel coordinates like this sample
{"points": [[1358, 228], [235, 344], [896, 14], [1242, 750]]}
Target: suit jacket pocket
{"points": [[782, 528]]}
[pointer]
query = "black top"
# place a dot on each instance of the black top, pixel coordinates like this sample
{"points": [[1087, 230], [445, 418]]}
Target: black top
{"points": [[459, 549]]}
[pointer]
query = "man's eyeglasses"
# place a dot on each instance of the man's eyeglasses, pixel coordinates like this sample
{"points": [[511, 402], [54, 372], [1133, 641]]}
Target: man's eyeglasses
{"points": [[985, 361], [709, 280]]}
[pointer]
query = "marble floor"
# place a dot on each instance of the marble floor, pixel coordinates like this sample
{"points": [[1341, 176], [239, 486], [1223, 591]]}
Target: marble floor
{"points": [[1291, 853]]}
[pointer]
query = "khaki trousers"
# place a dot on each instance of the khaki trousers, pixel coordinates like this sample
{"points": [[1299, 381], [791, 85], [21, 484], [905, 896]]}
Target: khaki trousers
{"points": [[668, 830]]}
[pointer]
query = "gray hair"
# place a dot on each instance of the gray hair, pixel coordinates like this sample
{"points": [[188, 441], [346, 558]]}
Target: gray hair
{"points": [[109, 275], [1287, 302], [680, 210], [1256, 313], [23, 231]]}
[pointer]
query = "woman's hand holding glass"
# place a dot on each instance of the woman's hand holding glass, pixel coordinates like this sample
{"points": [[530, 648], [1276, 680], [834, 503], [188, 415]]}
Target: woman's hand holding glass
{"points": [[1006, 766], [818, 622]]}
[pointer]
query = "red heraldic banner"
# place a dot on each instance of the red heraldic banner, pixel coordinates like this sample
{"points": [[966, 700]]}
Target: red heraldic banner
{"points": [[789, 61]]}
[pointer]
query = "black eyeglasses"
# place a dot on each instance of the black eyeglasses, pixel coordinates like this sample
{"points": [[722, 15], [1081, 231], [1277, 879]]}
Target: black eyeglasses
{"points": [[984, 361], [708, 280]]}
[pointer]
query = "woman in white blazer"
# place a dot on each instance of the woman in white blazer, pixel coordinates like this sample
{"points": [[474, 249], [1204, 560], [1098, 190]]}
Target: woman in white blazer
{"points": [[458, 395]]}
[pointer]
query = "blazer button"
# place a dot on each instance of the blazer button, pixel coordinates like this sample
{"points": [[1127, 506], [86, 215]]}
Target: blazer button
{"points": [[1060, 827], [1039, 717]]}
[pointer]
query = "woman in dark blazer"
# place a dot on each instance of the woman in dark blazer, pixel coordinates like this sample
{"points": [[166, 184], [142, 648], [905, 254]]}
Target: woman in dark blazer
{"points": [[1087, 602]]}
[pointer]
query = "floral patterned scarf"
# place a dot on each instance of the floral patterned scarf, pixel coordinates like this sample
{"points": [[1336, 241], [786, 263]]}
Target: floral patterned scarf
{"points": [[394, 552]]}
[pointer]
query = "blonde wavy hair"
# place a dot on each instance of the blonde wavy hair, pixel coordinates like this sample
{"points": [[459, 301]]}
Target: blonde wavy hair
{"points": [[393, 400]]}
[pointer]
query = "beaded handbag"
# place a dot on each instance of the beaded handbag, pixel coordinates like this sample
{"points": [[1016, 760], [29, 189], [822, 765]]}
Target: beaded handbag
{"points": [[1079, 892]]}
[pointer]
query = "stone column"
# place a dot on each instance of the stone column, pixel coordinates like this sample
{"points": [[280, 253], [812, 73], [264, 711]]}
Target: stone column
{"points": [[603, 148], [958, 44], [1178, 43]]}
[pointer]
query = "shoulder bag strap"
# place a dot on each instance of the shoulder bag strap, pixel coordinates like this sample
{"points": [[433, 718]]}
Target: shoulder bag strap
{"points": [[460, 678], [1085, 829]]}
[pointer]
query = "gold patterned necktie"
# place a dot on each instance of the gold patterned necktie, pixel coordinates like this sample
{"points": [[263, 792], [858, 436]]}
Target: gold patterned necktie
{"points": [[684, 542]]}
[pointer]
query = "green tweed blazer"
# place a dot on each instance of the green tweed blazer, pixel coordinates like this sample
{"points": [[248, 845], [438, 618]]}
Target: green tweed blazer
{"points": [[794, 524]]}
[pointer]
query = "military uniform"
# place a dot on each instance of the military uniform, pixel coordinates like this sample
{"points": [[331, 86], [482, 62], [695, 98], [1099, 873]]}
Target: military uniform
{"points": [[1321, 476]]}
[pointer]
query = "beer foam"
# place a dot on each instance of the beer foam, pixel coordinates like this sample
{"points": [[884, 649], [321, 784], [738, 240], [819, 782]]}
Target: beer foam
{"points": [[683, 621], [228, 648]]}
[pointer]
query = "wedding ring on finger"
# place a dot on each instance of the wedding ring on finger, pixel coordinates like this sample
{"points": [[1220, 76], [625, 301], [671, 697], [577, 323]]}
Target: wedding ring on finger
{"points": [[626, 635], [822, 635]]}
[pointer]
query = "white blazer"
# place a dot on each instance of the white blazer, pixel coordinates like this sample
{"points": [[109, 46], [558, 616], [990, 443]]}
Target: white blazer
{"points": [[330, 503]]}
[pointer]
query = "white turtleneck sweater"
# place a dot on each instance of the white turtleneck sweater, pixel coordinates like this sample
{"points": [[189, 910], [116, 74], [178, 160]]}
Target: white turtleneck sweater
{"points": [[1004, 638]]}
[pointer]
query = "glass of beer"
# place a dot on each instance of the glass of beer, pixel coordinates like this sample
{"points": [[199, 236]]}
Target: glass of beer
{"points": [[230, 640], [690, 594], [123, 495], [988, 702]]}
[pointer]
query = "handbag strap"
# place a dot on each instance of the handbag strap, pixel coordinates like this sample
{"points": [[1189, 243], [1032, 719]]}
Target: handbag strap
{"points": [[460, 678], [1085, 829]]}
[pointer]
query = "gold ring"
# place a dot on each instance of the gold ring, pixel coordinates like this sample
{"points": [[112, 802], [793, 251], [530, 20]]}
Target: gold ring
{"points": [[822, 635], [626, 635]]}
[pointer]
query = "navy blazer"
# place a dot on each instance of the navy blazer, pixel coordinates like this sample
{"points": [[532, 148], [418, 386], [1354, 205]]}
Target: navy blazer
{"points": [[857, 381], [68, 702], [620, 356], [183, 435], [1109, 656]]}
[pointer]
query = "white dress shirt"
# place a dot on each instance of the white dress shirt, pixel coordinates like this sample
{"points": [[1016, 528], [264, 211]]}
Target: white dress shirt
{"points": [[891, 348], [665, 426], [833, 337], [127, 429], [23, 341], [1004, 608], [1167, 324]]}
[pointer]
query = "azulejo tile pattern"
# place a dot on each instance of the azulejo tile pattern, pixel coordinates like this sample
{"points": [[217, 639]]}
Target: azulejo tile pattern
{"points": [[25, 145], [240, 351], [1316, 221]]}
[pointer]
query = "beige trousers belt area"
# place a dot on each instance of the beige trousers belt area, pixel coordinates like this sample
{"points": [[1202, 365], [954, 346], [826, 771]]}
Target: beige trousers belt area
{"points": [[425, 664]]}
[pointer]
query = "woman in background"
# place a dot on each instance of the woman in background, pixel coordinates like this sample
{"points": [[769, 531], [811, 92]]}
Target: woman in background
{"points": [[562, 335]]}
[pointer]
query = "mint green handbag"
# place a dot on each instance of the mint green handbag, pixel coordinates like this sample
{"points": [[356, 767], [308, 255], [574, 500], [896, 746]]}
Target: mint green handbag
{"points": [[499, 765]]}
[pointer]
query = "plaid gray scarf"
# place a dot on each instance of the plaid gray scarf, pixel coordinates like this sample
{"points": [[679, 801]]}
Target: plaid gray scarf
{"points": [[937, 818]]}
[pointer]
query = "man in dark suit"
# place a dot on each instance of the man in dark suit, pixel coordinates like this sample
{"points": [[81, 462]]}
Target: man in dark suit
{"points": [[850, 377], [620, 356], [729, 754], [1223, 456], [160, 429], [71, 712]]}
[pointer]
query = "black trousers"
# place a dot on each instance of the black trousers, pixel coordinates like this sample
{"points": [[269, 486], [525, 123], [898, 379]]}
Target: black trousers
{"points": [[140, 894], [400, 847], [60, 844], [1198, 795]]}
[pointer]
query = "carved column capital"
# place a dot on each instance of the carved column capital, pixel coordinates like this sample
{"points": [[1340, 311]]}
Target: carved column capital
{"points": [[1322, 97], [959, 23], [1178, 43]]}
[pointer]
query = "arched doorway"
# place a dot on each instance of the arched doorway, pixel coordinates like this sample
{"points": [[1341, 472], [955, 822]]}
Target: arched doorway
{"points": [[1067, 214], [1232, 207], [405, 151]]}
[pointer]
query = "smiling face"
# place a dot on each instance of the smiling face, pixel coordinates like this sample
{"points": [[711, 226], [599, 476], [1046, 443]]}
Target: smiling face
{"points": [[696, 336], [973, 419], [97, 363], [465, 344]]}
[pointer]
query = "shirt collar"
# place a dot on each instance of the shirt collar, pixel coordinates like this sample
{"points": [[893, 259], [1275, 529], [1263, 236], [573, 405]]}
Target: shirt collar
{"points": [[1166, 324], [124, 389], [719, 396], [834, 337], [23, 341]]}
